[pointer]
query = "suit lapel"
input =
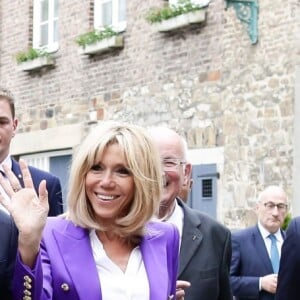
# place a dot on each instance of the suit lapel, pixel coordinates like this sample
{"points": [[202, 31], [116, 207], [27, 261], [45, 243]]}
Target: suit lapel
{"points": [[191, 237], [154, 258], [260, 247], [77, 254], [15, 167]]}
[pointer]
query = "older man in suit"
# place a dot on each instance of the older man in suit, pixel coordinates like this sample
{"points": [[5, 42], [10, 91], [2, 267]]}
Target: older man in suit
{"points": [[256, 250], [288, 287], [8, 250], [205, 250], [8, 126]]}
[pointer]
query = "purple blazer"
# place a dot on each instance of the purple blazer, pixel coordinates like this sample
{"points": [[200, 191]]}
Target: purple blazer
{"points": [[65, 267]]}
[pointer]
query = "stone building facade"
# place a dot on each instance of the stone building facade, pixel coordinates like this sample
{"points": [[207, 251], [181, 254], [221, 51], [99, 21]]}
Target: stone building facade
{"points": [[234, 101]]}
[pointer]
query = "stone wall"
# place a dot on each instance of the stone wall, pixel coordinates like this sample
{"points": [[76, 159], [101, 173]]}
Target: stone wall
{"points": [[208, 82]]}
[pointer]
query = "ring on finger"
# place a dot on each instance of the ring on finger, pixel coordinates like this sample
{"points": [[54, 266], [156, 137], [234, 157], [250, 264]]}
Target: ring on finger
{"points": [[16, 189]]}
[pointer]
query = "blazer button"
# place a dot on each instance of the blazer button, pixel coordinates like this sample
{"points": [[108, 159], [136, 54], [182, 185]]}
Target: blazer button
{"points": [[27, 293], [27, 285], [65, 287], [27, 278]]}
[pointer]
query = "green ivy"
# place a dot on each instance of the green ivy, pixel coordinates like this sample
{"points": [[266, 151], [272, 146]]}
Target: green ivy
{"points": [[30, 54], [95, 36], [286, 221], [156, 14]]}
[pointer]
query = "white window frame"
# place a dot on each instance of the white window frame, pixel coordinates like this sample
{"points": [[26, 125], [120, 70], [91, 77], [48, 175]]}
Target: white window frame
{"points": [[116, 25], [51, 45], [42, 160]]}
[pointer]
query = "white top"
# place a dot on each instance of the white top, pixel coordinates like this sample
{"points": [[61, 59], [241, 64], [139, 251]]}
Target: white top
{"points": [[176, 218], [265, 234], [115, 284], [7, 161]]}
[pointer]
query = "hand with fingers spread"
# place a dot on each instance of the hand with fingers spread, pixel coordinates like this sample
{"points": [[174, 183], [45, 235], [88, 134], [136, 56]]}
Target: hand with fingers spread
{"points": [[28, 210]]}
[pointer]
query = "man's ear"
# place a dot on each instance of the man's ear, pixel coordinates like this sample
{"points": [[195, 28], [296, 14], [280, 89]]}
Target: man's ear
{"points": [[15, 125], [187, 173]]}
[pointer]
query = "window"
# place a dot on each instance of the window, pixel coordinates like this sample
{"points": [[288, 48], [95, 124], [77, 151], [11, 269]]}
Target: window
{"points": [[207, 188], [110, 13], [45, 24], [57, 162]]}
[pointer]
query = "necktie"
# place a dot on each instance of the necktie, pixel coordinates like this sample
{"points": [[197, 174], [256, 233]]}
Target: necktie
{"points": [[274, 253]]}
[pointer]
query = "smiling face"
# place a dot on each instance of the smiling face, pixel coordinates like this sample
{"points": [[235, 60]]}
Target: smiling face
{"points": [[109, 185], [171, 148]]}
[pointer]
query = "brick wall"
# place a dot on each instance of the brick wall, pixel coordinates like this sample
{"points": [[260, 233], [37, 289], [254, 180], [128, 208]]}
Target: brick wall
{"points": [[207, 81]]}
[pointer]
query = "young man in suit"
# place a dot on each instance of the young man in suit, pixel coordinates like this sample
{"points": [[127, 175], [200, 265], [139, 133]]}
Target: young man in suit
{"points": [[288, 287], [8, 250], [8, 126], [256, 250], [205, 250]]}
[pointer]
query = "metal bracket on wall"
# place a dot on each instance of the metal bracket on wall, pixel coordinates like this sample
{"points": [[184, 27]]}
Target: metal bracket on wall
{"points": [[247, 12]]}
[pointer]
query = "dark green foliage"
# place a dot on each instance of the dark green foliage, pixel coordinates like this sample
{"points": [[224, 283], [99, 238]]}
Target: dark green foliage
{"points": [[286, 221]]}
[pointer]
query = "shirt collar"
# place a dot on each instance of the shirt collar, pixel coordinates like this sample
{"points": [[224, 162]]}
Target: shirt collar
{"points": [[7, 161], [265, 233], [176, 217]]}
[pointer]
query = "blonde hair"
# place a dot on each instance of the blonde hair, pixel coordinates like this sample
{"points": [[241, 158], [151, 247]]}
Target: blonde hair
{"points": [[142, 160]]}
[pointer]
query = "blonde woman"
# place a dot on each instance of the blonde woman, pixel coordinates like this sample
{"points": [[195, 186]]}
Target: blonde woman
{"points": [[107, 246]]}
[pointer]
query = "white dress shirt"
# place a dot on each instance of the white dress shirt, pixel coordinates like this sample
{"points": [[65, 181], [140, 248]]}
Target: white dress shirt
{"points": [[115, 284], [265, 235], [176, 218], [7, 161]]}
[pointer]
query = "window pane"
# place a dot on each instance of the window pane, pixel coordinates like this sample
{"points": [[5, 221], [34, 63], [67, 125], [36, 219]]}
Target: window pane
{"points": [[207, 188], [107, 13], [55, 8], [55, 31], [44, 10], [122, 10], [44, 35]]}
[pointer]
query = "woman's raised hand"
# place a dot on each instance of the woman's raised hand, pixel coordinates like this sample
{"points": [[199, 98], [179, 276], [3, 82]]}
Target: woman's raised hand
{"points": [[28, 210]]}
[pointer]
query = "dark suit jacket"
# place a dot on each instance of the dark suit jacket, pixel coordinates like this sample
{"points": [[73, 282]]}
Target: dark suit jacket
{"points": [[205, 255], [288, 287], [53, 186], [8, 249], [250, 260]]}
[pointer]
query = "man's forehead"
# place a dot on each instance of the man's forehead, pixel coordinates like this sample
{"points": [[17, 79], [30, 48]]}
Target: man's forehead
{"points": [[275, 198]]}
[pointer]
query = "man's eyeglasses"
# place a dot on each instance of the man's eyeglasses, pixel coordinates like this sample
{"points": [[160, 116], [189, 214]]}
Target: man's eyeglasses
{"points": [[172, 163], [271, 206]]}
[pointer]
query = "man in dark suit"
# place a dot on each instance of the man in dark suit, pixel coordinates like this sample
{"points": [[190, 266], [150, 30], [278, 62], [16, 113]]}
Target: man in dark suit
{"points": [[205, 250], [288, 287], [254, 264], [8, 126], [8, 250]]}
